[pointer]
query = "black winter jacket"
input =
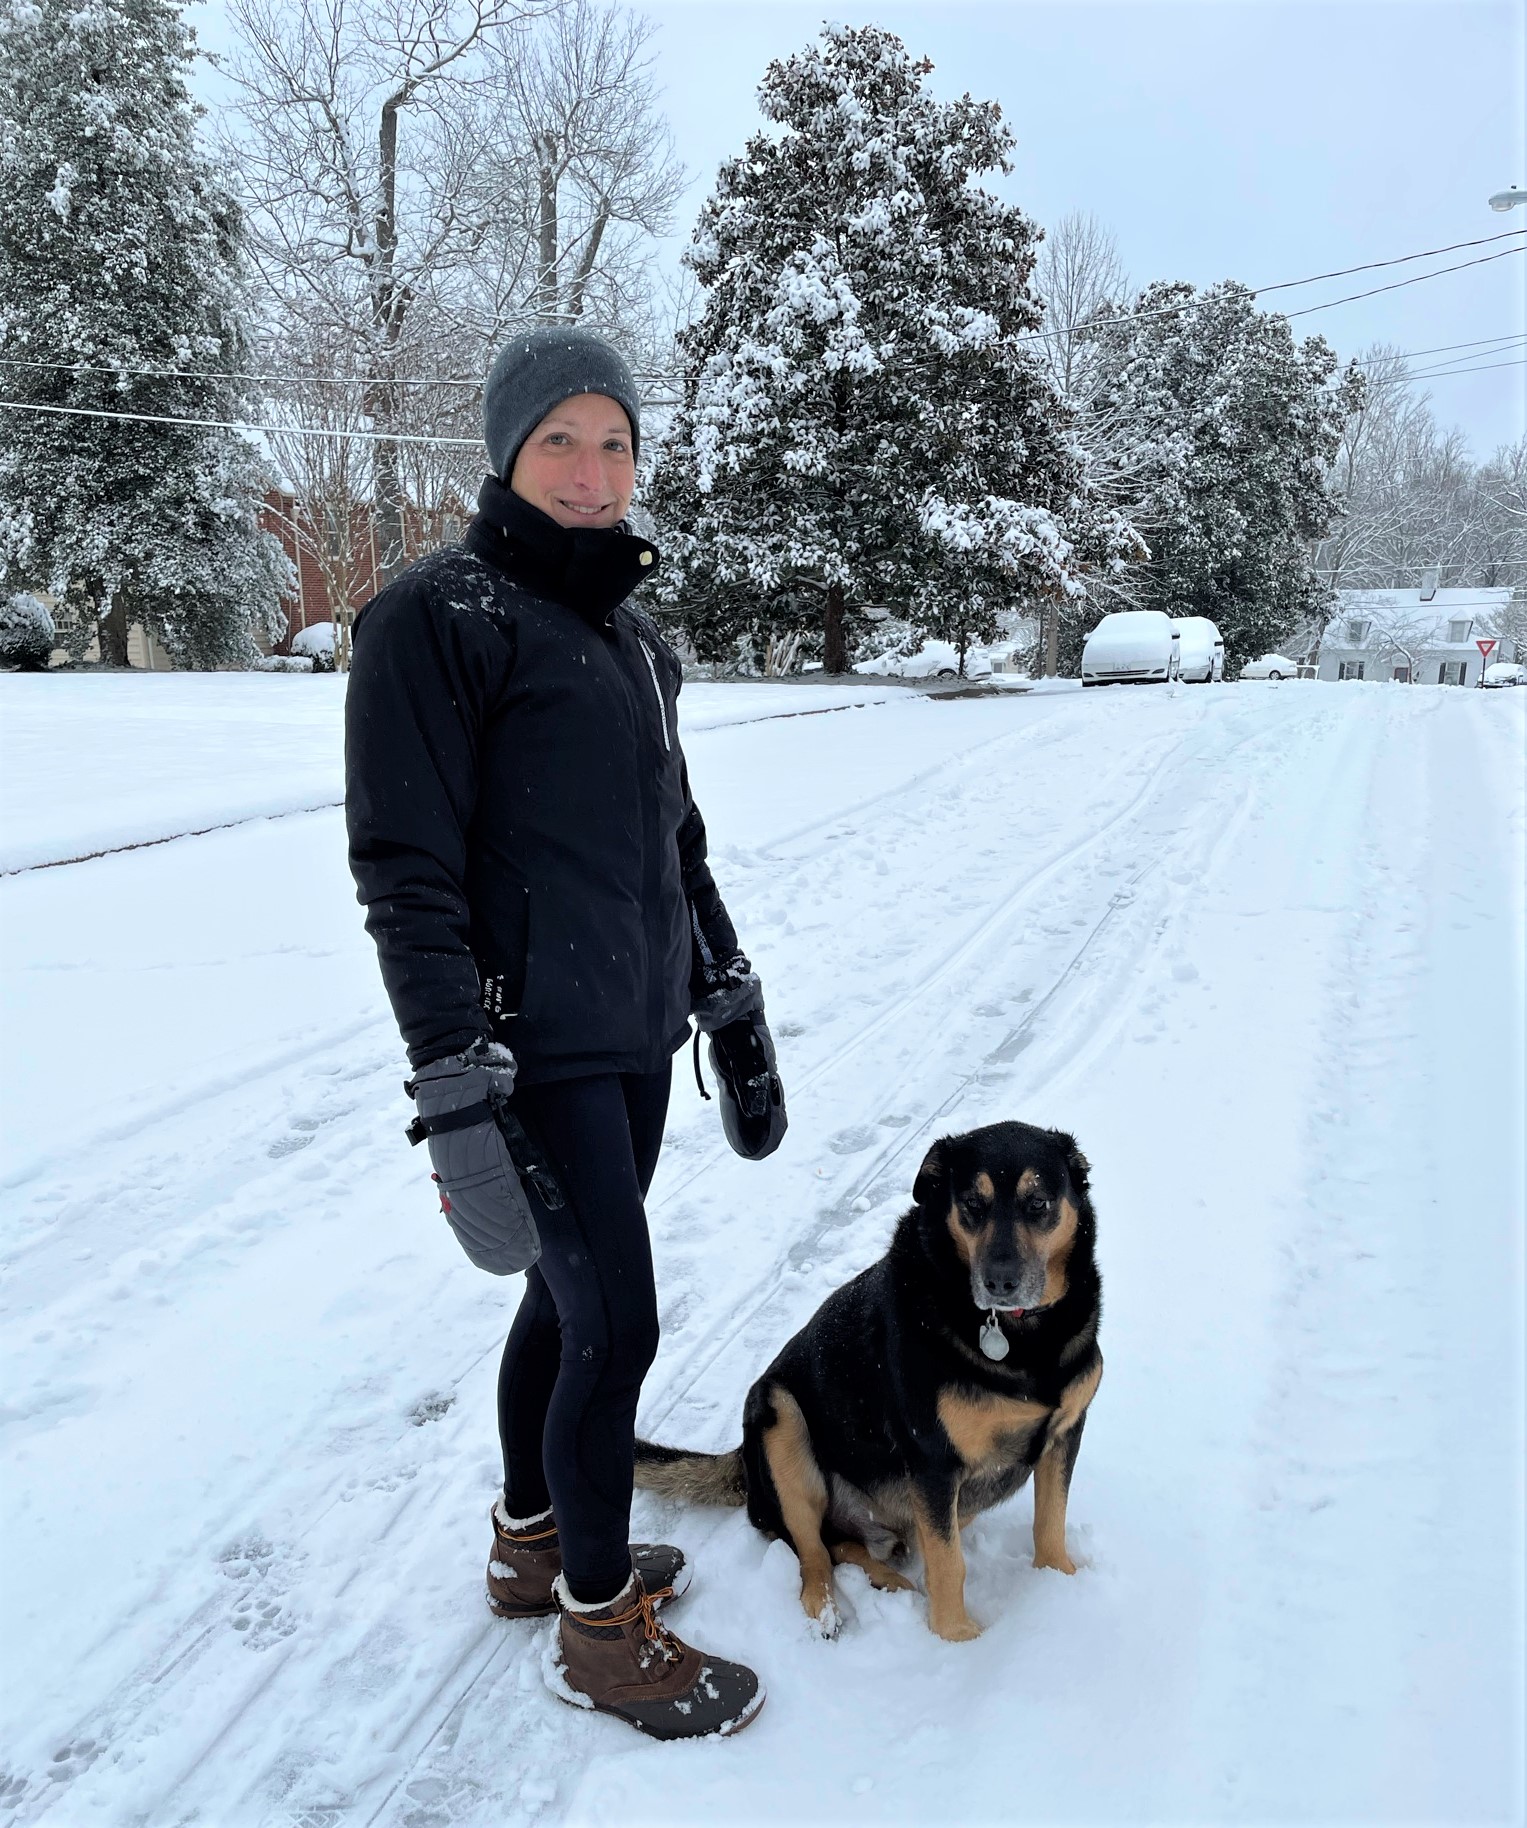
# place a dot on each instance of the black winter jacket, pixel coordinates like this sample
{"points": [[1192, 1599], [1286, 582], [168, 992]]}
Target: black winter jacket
{"points": [[522, 833]]}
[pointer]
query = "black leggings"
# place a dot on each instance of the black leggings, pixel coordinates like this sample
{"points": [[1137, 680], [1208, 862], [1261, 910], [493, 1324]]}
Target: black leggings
{"points": [[586, 1331]]}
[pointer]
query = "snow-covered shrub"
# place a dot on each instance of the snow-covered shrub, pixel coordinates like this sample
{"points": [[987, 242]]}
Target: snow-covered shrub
{"points": [[27, 636], [284, 663], [316, 644]]}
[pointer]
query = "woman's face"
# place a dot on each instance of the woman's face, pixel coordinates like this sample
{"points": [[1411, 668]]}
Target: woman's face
{"points": [[577, 464]]}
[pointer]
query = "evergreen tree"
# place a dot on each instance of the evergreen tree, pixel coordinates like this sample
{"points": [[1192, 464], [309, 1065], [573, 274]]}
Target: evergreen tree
{"points": [[857, 427], [119, 251], [1231, 426]]}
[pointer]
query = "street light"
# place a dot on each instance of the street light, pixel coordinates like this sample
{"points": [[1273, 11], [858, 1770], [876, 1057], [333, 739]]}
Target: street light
{"points": [[1508, 199]]}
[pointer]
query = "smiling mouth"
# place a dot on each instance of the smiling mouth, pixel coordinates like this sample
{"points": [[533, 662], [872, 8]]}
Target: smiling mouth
{"points": [[574, 507]]}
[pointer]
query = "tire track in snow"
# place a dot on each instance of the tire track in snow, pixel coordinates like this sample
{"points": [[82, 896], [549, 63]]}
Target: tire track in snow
{"points": [[204, 1627], [737, 1326], [975, 937]]}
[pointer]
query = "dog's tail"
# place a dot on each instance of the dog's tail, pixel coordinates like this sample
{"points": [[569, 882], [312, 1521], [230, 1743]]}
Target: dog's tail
{"points": [[671, 1472]]}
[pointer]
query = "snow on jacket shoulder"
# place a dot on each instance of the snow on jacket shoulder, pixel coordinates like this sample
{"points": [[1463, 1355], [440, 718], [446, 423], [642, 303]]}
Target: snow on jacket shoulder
{"points": [[522, 834]]}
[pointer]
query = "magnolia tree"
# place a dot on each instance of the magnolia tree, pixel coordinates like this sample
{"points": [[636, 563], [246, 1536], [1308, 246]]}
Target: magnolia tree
{"points": [[1233, 425], [857, 430], [120, 253]]}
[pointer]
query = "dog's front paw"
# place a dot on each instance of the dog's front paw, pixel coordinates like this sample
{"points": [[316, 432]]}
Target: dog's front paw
{"points": [[959, 1629], [827, 1622], [1054, 1558]]}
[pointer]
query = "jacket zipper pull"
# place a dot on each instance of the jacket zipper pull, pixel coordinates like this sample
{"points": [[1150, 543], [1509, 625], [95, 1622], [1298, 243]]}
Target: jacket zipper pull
{"points": [[662, 709]]}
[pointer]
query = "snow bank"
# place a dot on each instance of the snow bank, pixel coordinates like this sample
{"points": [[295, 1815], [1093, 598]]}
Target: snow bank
{"points": [[94, 764]]}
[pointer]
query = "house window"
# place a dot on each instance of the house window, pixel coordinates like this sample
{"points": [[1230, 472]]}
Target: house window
{"points": [[1401, 673], [1454, 672], [1350, 669], [1458, 631], [1357, 633]]}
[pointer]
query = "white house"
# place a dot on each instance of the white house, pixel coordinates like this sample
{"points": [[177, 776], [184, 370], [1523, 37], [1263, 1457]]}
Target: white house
{"points": [[1426, 638]]}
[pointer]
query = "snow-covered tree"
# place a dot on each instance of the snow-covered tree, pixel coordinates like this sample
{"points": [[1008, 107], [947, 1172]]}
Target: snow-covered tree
{"points": [[119, 251], [579, 174], [1414, 499], [1233, 425], [858, 427]]}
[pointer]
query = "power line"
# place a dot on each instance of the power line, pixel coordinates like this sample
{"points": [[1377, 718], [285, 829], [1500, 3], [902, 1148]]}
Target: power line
{"points": [[1415, 280], [1442, 374], [89, 412], [1399, 260], [234, 425], [1036, 336], [1401, 355]]}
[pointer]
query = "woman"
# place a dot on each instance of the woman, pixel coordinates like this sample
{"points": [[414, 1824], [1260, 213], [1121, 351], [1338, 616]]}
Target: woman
{"points": [[534, 873]]}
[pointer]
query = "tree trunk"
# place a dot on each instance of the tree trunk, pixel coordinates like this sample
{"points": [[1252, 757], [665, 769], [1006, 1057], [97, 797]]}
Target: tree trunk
{"points": [[391, 553], [113, 626], [546, 275], [834, 637], [590, 255], [388, 306], [1052, 638]]}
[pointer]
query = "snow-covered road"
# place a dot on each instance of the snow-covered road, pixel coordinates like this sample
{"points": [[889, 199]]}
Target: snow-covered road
{"points": [[1260, 947]]}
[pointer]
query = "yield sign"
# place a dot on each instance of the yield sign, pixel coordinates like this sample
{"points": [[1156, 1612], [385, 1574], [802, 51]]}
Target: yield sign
{"points": [[1486, 648]]}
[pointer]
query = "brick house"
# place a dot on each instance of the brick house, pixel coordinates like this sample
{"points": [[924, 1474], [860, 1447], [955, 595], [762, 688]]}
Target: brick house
{"points": [[315, 542]]}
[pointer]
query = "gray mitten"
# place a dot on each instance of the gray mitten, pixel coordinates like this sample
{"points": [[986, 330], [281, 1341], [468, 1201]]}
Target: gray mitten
{"points": [[481, 1156]]}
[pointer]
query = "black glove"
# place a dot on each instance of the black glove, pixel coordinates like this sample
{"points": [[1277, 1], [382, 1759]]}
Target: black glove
{"points": [[481, 1156], [752, 1097], [731, 991]]}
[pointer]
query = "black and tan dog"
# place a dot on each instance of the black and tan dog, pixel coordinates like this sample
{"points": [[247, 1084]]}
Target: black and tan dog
{"points": [[931, 1386]]}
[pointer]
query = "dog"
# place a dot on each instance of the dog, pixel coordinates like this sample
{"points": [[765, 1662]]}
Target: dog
{"points": [[931, 1386]]}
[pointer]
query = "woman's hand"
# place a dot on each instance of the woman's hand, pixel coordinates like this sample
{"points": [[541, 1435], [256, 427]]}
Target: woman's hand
{"points": [[481, 1156]]}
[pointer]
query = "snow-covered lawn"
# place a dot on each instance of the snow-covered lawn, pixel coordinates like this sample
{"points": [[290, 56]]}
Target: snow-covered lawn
{"points": [[1259, 946]]}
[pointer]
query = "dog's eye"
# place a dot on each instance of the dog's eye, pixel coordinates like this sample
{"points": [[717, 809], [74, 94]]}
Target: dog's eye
{"points": [[1038, 1205]]}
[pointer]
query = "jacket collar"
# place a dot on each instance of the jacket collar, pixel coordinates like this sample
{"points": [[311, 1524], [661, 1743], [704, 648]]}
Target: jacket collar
{"points": [[591, 570]]}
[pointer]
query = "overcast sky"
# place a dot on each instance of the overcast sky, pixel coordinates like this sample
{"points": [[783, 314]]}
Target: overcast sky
{"points": [[1223, 139]]}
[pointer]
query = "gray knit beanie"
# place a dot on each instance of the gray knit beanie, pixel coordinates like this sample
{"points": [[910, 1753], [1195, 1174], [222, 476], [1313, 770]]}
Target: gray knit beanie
{"points": [[538, 370]]}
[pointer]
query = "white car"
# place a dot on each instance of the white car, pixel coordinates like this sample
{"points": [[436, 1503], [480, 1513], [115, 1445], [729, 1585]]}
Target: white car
{"points": [[933, 660], [1271, 666], [1505, 673], [1132, 646], [1200, 649]]}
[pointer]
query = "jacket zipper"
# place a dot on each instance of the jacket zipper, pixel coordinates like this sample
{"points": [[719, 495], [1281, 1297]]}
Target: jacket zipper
{"points": [[662, 709]]}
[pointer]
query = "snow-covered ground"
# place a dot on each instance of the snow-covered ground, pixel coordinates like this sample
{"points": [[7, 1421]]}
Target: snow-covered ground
{"points": [[1259, 946]]}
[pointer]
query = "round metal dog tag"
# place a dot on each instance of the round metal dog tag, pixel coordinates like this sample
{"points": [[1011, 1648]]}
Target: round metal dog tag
{"points": [[993, 1339]]}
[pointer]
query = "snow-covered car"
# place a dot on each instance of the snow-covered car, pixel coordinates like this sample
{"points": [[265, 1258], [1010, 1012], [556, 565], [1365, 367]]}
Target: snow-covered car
{"points": [[1505, 673], [1132, 646], [1271, 666], [933, 660], [1200, 649]]}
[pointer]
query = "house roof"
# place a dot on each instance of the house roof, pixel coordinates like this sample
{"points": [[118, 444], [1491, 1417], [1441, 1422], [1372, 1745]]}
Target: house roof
{"points": [[1442, 602], [1405, 606]]}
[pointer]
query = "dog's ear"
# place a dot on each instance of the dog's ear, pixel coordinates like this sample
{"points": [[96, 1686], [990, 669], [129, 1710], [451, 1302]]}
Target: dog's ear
{"points": [[1077, 1165], [932, 1183]]}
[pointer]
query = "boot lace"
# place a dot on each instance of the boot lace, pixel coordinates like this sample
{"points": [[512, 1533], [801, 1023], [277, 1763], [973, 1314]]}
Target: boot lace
{"points": [[658, 1638]]}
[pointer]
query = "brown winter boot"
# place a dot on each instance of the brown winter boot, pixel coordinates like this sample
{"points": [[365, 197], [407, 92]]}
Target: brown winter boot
{"points": [[527, 1558], [623, 1660]]}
